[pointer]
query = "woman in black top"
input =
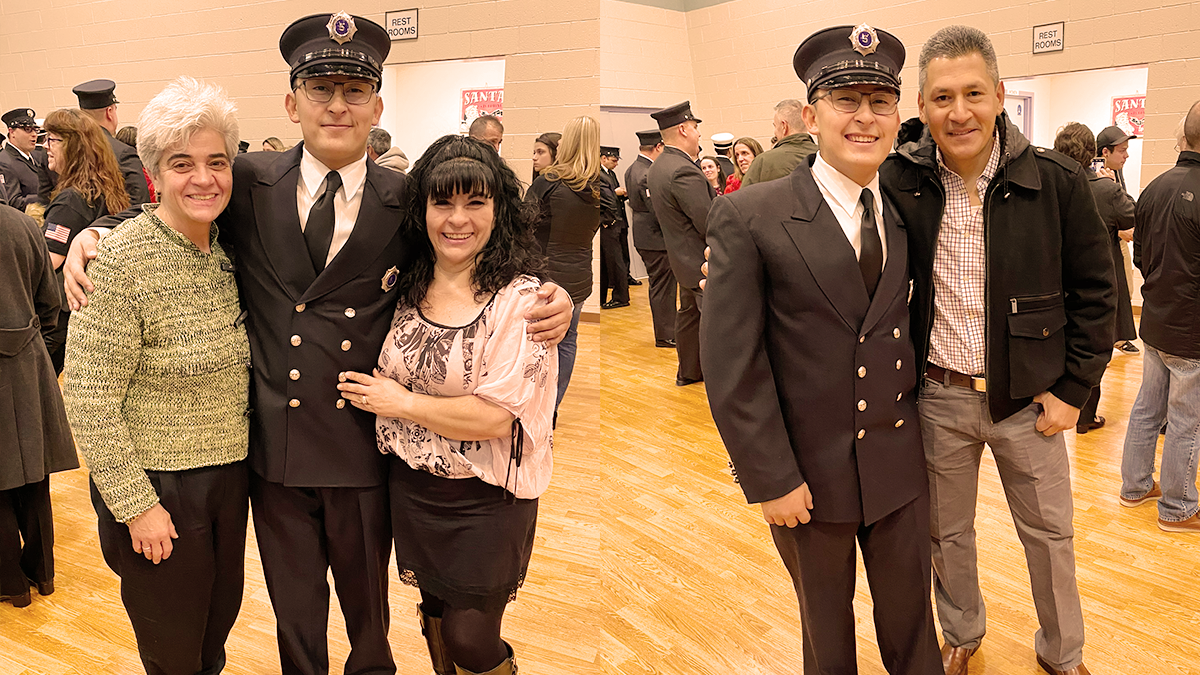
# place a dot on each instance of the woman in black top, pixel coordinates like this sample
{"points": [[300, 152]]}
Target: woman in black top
{"points": [[567, 194]]}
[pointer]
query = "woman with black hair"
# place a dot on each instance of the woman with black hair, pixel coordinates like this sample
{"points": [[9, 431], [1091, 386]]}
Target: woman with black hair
{"points": [[464, 402]]}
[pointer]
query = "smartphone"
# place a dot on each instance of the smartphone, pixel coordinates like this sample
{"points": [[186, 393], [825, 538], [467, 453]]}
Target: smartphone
{"points": [[1097, 164]]}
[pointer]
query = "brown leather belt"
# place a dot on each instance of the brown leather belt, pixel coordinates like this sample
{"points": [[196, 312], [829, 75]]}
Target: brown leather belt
{"points": [[951, 378]]}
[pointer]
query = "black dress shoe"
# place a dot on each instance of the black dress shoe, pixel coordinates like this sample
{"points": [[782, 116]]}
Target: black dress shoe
{"points": [[44, 587], [685, 381], [1128, 347], [1089, 426], [614, 304], [634, 282], [669, 344], [22, 600]]}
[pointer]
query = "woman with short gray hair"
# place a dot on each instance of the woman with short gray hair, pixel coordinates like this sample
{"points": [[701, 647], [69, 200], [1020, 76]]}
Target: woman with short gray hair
{"points": [[157, 387]]}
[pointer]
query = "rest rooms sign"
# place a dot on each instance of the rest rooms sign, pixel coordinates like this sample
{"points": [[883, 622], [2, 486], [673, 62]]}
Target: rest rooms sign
{"points": [[401, 25], [1048, 38]]}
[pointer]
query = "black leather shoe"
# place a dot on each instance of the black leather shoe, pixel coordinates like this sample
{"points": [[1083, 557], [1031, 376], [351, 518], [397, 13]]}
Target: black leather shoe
{"points": [[634, 282], [22, 600], [669, 344], [685, 381], [43, 587], [1090, 426], [614, 304], [1128, 347]]}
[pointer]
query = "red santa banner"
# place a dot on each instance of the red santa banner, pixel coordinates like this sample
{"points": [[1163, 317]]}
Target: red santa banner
{"points": [[480, 102], [1129, 113]]}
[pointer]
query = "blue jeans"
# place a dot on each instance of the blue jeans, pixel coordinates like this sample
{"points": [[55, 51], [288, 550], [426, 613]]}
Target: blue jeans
{"points": [[566, 355], [1170, 392]]}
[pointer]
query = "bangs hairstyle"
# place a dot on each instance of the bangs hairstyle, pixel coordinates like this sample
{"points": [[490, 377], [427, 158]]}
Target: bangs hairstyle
{"points": [[184, 107], [463, 165]]}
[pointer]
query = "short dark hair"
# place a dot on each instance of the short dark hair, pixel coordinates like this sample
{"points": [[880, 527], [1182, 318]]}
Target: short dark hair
{"points": [[1077, 142], [953, 42], [550, 139], [454, 165], [481, 123]]}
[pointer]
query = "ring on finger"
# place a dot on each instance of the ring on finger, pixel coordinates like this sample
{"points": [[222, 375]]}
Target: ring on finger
{"points": [[364, 401]]}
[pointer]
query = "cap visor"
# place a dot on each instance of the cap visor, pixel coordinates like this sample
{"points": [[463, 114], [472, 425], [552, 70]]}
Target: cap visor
{"points": [[329, 68]]}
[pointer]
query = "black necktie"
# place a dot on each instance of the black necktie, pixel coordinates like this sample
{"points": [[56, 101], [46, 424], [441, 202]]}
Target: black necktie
{"points": [[318, 232], [870, 260]]}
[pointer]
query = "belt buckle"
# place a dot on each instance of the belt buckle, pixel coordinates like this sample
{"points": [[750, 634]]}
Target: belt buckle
{"points": [[979, 384]]}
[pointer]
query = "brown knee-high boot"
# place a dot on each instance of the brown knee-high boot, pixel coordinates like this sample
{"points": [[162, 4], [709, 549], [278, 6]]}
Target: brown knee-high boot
{"points": [[439, 654], [507, 666]]}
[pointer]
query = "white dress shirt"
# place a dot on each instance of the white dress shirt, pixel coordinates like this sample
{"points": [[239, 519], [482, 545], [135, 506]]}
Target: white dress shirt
{"points": [[842, 195], [345, 203]]}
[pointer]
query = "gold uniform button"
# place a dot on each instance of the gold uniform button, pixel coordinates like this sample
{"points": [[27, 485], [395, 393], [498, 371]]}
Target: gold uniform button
{"points": [[349, 312], [861, 433], [295, 403], [899, 423], [345, 345], [862, 405], [341, 403], [294, 374], [296, 340], [899, 396], [862, 339], [898, 364], [862, 371], [1045, 332], [896, 333], [300, 307]]}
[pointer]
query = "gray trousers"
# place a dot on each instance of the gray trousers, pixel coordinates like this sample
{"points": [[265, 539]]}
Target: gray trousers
{"points": [[1036, 476]]}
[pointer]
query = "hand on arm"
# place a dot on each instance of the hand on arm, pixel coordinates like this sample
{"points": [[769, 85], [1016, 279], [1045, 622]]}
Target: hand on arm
{"points": [[1056, 415], [151, 534], [75, 280], [549, 322], [462, 418], [789, 510]]}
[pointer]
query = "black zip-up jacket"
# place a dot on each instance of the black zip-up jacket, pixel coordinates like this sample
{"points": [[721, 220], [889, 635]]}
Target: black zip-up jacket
{"points": [[1166, 248], [1050, 291]]}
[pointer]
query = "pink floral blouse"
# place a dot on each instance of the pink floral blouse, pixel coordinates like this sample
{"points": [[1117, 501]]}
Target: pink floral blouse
{"points": [[492, 358]]}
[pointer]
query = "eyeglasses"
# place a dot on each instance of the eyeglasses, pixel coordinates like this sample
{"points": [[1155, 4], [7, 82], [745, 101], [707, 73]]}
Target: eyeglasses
{"points": [[321, 91], [850, 100], [51, 139]]}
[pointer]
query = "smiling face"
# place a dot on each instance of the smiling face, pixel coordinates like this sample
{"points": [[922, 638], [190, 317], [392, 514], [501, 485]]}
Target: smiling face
{"points": [[335, 132], [743, 156], [853, 143], [710, 169], [459, 227], [960, 103], [194, 182]]}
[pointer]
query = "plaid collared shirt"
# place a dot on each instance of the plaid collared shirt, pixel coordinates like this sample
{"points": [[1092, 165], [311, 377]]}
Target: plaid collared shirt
{"points": [[958, 340]]}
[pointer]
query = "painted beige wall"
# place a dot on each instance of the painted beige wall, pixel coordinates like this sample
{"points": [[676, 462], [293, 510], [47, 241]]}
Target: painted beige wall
{"points": [[742, 51], [551, 50], [645, 56]]}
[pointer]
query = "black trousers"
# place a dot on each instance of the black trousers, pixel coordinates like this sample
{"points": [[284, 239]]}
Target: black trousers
{"points": [[614, 267], [303, 532], [26, 537], [662, 293], [1087, 413], [820, 559], [183, 608], [687, 333], [56, 341]]}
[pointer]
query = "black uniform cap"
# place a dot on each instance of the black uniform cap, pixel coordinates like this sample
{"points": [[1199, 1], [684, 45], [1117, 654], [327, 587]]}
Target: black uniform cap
{"points": [[651, 137], [95, 94], [21, 117], [844, 56], [610, 151], [1110, 136], [675, 115], [335, 44]]}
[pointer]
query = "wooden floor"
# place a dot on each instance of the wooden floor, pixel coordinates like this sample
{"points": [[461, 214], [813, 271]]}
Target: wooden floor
{"points": [[648, 560]]}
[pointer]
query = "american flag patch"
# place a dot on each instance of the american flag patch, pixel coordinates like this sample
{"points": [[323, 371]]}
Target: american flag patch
{"points": [[58, 233]]}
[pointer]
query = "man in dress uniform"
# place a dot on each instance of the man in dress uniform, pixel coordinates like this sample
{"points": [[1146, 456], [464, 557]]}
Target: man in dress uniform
{"points": [[681, 196], [614, 268], [648, 239], [722, 148], [809, 367], [315, 237], [97, 98], [18, 165]]}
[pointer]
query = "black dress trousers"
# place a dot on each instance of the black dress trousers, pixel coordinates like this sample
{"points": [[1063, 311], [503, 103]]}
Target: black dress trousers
{"points": [[183, 608], [662, 293], [614, 269], [303, 532], [26, 537]]}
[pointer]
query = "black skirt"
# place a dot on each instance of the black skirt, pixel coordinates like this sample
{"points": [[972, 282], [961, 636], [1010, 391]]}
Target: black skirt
{"points": [[460, 539]]}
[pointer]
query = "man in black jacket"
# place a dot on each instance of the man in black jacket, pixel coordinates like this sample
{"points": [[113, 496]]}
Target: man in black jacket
{"points": [[1012, 313], [98, 99], [18, 159], [614, 269], [1166, 248], [648, 239]]}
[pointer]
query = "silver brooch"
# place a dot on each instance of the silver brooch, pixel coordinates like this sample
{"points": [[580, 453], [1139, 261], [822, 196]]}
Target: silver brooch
{"points": [[341, 28], [864, 39]]}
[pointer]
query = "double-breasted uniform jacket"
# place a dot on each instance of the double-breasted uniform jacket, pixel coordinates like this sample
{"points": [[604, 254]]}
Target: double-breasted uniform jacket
{"points": [[681, 197], [20, 178], [647, 235], [305, 328], [35, 438], [810, 379]]}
